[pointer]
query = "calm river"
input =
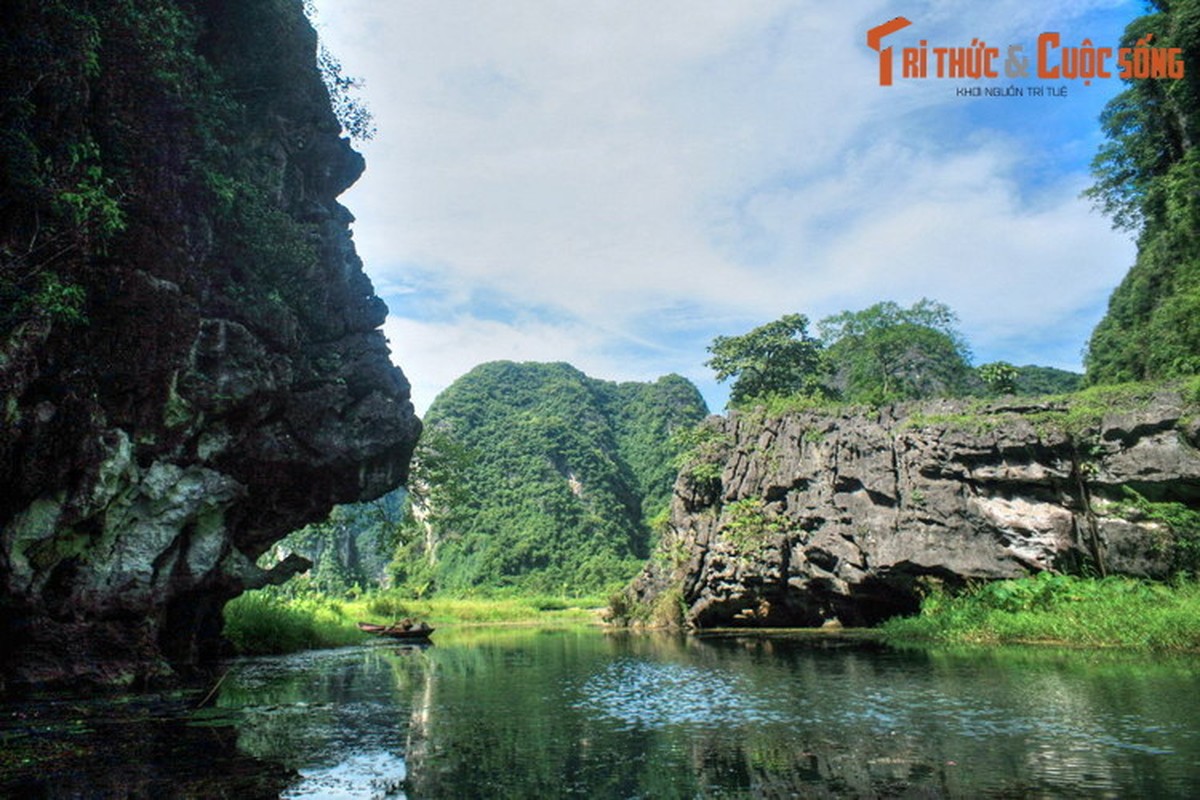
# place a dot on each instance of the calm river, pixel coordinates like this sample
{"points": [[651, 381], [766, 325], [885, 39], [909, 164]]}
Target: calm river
{"points": [[525, 713]]}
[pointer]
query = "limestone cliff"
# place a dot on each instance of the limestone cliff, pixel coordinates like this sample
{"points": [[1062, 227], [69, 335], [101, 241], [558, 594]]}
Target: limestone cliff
{"points": [[815, 518], [190, 359]]}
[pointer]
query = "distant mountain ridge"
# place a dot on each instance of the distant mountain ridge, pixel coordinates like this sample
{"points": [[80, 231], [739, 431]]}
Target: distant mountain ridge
{"points": [[563, 473]]}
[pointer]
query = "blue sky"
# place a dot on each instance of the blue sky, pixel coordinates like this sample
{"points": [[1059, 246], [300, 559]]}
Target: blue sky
{"points": [[613, 183]]}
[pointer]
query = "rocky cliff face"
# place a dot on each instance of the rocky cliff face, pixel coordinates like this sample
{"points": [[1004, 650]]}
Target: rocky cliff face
{"points": [[190, 358], [839, 518]]}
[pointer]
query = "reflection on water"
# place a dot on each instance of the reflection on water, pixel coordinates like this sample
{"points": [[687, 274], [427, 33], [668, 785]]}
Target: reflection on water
{"points": [[644, 694], [528, 713], [362, 775]]}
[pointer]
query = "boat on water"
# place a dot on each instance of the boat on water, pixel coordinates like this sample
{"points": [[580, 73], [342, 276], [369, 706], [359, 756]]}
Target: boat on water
{"points": [[406, 630]]}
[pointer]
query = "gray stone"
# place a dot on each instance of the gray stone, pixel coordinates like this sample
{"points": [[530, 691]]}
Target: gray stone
{"points": [[867, 506]]}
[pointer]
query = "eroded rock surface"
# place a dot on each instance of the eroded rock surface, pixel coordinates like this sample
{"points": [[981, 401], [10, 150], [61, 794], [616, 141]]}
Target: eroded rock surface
{"points": [[229, 381], [821, 519]]}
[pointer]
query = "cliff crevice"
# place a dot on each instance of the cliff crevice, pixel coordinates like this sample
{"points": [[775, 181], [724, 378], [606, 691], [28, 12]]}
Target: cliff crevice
{"points": [[847, 516]]}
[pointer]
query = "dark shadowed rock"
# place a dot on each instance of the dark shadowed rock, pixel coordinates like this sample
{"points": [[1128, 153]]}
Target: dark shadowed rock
{"points": [[229, 383]]}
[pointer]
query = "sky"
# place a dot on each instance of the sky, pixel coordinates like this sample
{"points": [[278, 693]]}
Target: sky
{"points": [[613, 183]]}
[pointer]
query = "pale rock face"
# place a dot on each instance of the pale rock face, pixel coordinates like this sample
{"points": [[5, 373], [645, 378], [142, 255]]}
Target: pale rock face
{"points": [[838, 518]]}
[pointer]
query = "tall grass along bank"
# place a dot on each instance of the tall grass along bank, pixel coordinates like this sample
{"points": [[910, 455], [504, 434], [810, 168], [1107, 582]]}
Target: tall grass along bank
{"points": [[1112, 612], [264, 622]]}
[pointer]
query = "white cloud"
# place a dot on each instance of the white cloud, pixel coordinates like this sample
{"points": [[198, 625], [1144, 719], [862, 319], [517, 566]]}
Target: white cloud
{"points": [[622, 162]]}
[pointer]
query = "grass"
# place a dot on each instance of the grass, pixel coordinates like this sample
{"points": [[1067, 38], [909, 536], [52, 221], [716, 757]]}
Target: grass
{"points": [[259, 623], [477, 611], [1060, 609]]}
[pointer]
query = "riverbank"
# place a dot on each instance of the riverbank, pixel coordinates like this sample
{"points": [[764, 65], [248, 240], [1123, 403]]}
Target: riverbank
{"points": [[260, 623], [1060, 609], [1048, 609]]}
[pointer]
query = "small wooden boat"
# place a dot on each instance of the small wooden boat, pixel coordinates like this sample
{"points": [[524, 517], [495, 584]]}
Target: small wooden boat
{"points": [[406, 630]]}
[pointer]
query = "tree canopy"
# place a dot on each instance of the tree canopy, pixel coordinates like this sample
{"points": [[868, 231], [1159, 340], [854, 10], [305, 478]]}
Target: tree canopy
{"points": [[887, 352], [880, 354], [1148, 180], [778, 358]]}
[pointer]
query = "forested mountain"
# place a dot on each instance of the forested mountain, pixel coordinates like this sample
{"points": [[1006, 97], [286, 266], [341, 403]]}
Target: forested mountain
{"points": [[1148, 180], [557, 477], [1033, 380]]}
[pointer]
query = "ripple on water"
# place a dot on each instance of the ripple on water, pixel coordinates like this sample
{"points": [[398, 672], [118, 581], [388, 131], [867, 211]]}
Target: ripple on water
{"points": [[642, 694], [363, 776]]}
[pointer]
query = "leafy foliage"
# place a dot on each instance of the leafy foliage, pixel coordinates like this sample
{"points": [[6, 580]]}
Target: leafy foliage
{"points": [[701, 451], [1033, 380], [1182, 521], [107, 109], [355, 117], [879, 354], [350, 549], [436, 498], [778, 358], [749, 526], [999, 377], [887, 352], [1147, 175], [562, 475]]}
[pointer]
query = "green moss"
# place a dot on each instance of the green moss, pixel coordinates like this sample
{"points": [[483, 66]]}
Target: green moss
{"points": [[1183, 523], [749, 527], [813, 436], [177, 412], [977, 423], [1082, 412], [1077, 415]]}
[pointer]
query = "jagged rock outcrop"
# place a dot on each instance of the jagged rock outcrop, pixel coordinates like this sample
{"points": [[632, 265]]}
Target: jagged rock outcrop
{"points": [[838, 518], [190, 355]]}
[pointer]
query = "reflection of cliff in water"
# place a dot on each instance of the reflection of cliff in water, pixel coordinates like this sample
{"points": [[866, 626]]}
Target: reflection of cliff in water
{"points": [[622, 715], [127, 747], [333, 717], [526, 713]]}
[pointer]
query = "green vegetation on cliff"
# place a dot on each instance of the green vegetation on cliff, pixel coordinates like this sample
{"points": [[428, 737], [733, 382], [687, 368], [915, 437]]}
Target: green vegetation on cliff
{"points": [[882, 354], [1148, 181], [560, 474]]}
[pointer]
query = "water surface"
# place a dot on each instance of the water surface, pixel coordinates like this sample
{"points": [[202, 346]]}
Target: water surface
{"points": [[583, 713]]}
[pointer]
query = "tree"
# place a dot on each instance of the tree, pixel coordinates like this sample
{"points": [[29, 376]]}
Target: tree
{"points": [[1035, 380], [1000, 377], [778, 358], [1148, 180], [885, 352], [351, 111]]}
